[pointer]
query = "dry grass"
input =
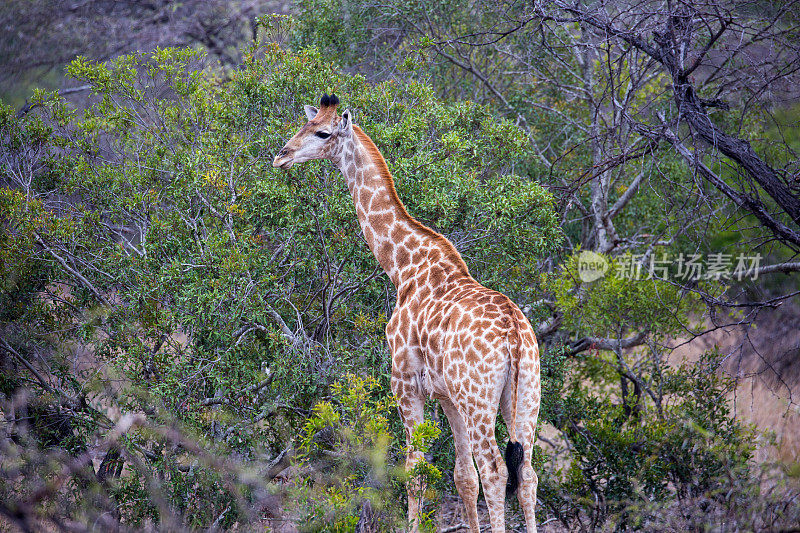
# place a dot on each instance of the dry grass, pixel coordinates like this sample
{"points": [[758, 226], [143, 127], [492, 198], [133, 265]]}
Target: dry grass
{"points": [[765, 361]]}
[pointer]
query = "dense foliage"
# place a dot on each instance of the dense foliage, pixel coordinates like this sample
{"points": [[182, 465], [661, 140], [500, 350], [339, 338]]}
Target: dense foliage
{"points": [[203, 287]]}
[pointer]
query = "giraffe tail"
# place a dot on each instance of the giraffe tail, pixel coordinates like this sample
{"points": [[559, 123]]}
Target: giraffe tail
{"points": [[525, 403], [514, 457], [515, 453]]}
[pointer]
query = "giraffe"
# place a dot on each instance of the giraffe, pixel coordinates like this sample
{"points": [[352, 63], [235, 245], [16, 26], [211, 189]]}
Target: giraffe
{"points": [[451, 338]]}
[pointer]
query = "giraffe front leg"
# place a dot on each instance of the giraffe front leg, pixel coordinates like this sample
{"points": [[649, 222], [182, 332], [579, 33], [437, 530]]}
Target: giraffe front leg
{"points": [[411, 406]]}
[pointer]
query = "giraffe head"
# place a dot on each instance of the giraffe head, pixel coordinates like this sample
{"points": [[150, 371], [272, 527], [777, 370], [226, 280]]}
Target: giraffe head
{"points": [[320, 138]]}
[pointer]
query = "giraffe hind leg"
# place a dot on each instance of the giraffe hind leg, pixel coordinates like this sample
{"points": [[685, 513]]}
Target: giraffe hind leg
{"points": [[493, 472], [464, 474], [528, 484]]}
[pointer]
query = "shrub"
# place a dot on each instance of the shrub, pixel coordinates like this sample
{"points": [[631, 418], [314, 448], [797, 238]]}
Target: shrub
{"points": [[149, 237]]}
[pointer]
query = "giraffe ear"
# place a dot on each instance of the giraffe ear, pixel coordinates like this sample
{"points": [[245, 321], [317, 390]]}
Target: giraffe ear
{"points": [[346, 123], [311, 111]]}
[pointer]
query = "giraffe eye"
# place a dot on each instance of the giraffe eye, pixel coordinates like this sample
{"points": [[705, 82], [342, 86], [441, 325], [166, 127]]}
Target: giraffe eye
{"points": [[322, 135]]}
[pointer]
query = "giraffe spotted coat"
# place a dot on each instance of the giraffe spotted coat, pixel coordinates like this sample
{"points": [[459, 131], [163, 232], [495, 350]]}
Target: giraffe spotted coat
{"points": [[451, 338]]}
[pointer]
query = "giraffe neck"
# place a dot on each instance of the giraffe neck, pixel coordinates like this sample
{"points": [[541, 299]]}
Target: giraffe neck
{"points": [[402, 245]]}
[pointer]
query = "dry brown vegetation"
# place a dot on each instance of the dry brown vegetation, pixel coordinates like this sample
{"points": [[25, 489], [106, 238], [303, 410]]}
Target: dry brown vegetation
{"points": [[764, 358]]}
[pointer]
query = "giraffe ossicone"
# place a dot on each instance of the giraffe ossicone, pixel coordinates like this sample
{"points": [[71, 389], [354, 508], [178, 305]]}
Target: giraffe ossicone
{"points": [[451, 338]]}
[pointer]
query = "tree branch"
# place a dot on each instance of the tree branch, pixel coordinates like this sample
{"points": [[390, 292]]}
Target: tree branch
{"points": [[753, 205], [602, 343], [86, 283], [71, 401]]}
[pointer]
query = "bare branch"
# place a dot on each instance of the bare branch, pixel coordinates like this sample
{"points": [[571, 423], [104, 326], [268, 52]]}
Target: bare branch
{"points": [[742, 200], [602, 343]]}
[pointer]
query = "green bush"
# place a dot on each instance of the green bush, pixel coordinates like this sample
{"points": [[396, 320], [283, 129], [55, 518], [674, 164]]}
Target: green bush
{"points": [[670, 439], [346, 446], [212, 292]]}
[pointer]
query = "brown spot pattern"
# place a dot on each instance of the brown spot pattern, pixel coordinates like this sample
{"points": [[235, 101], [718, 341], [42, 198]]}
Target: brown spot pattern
{"points": [[450, 337]]}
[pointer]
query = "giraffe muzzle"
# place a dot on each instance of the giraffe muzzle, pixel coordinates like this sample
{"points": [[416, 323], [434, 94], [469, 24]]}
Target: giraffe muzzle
{"points": [[283, 160]]}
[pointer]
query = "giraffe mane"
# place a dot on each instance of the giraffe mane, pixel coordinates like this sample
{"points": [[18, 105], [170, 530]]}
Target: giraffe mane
{"points": [[443, 243]]}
